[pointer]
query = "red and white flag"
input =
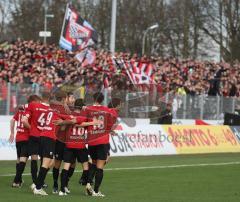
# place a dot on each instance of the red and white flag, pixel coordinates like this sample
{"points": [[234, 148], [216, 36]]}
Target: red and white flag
{"points": [[81, 56], [86, 57], [140, 73], [90, 58]]}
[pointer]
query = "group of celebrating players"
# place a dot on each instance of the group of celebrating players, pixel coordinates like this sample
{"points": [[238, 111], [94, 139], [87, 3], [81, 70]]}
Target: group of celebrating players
{"points": [[62, 129]]}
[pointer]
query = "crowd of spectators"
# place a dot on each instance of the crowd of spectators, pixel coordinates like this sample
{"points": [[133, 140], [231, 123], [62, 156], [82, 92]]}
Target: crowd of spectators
{"points": [[35, 64]]}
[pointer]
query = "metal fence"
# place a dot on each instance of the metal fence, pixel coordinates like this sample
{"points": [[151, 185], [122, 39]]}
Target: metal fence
{"points": [[136, 104]]}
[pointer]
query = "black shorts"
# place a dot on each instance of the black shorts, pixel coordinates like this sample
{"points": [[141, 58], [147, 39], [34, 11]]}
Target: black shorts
{"points": [[22, 149], [70, 155], [99, 152], [59, 150], [47, 147], [33, 145]]}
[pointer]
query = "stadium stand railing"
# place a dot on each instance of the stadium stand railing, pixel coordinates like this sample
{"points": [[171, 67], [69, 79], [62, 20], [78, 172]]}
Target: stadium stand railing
{"points": [[136, 104]]}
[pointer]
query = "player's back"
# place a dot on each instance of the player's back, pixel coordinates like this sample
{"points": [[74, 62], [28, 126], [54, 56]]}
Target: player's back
{"points": [[76, 135], [62, 109], [48, 126], [35, 112], [98, 134]]}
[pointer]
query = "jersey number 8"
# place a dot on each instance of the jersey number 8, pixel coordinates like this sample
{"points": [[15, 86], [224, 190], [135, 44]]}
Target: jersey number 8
{"points": [[100, 126]]}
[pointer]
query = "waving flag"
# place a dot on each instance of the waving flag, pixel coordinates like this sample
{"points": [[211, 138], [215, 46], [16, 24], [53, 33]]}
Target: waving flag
{"points": [[138, 73], [89, 58], [81, 55], [77, 33], [86, 57]]}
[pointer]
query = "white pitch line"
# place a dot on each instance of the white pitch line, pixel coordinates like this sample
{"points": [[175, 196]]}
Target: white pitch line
{"points": [[149, 167]]}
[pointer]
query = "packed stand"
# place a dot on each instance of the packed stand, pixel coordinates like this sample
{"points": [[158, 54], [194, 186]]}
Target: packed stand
{"points": [[33, 64]]}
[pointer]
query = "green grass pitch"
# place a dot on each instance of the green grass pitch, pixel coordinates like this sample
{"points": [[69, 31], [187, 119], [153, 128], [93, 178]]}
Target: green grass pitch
{"points": [[201, 178]]}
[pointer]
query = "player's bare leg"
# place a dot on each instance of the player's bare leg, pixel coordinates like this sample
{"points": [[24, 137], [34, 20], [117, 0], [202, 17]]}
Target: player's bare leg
{"points": [[52, 164], [107, 160]]}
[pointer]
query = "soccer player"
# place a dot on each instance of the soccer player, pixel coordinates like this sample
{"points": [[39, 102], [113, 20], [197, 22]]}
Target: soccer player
{"points": [[61, 105], [98, 139], [76, 148], [114, 105], [33, 119], [70, 102], [22, 138], [33, 143], [42, 117], [76, 110]]}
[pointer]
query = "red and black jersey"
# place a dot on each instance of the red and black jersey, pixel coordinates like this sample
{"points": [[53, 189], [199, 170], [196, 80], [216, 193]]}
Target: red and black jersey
{"points": [[61, 131], [49, 128], [22, 132], [76, 136], [111, 123], [99, 134], [35, 113]]}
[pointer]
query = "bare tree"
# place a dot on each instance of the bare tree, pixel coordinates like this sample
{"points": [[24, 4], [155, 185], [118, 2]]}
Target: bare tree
{"points": [[27, 18], [222, 24], [187, 28], [5, 14]]}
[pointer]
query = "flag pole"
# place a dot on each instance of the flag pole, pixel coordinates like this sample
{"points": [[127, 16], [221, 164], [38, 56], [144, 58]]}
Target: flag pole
{"points": [[64, 20], [113, 26], [122, 61]]}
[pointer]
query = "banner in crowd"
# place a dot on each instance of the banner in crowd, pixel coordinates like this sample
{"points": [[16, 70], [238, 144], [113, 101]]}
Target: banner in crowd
{"points": [[78, 35], [141, 73], [86, 57], [138, 72], [202, 139]]}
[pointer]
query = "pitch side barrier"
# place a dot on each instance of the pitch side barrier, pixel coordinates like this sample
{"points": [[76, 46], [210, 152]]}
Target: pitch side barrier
{"points": [[146, 139], [175, 139]]}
